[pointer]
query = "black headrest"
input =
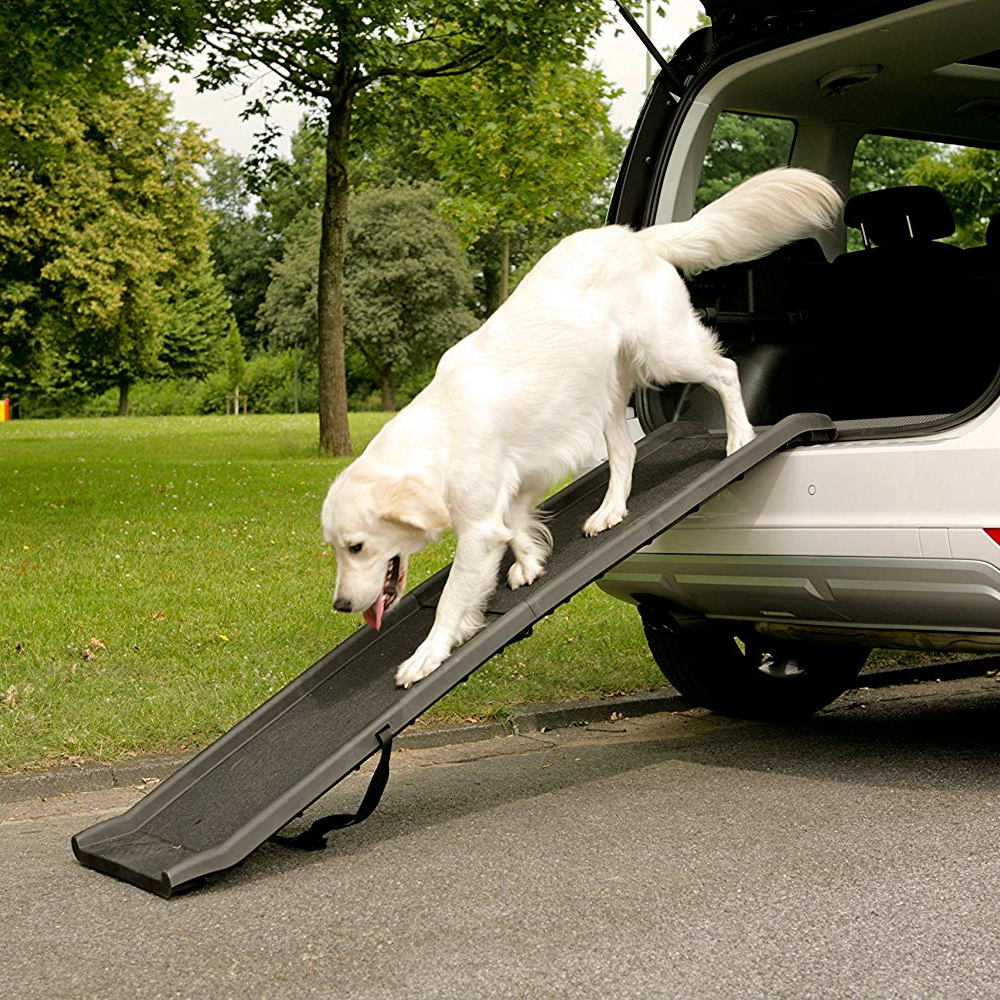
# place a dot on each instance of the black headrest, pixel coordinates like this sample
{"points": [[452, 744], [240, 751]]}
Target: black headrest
{"points": [[896, 215], [993, 232]]}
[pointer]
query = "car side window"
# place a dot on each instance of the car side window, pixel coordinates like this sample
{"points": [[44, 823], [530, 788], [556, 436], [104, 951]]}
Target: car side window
{"points": [[965, 175], [741, 146]]}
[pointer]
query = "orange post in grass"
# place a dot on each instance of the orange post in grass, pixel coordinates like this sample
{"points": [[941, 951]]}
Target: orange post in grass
{"points": [[4, 410]]}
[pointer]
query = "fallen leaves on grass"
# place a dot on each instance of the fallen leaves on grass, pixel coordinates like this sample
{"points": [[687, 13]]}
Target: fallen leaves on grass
{"points": [[159, 616], [90, 651], [13, 694]]}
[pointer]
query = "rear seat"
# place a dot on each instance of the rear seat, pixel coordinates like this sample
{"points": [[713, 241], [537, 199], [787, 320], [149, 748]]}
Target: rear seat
{"points": [[906, 328], [904, 322], [760, 311]]}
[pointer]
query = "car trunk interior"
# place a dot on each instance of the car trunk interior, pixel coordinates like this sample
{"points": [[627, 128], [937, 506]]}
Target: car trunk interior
{"points": [[903, 334], [887, 337]]}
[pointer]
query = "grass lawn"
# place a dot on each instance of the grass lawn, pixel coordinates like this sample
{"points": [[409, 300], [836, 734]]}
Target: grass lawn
{"points": [[163, 576]]}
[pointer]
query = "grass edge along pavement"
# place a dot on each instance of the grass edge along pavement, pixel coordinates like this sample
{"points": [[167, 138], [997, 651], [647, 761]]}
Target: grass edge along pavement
{"points": [[163, 576], [143, 772], [610, 715]]}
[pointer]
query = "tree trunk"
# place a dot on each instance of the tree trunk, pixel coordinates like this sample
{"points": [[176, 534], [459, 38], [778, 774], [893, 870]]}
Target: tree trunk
{"points": [[504, 266], [123, 387], [491, 280], [388, 389], [487, 258], [334, 432]]}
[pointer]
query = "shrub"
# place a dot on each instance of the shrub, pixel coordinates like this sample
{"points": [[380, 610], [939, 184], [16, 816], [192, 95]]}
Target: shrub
{"points": [[154, 398], [272, 383], [269, 384]]}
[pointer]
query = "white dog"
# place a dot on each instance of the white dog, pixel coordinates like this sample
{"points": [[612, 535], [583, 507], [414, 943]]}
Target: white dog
{"points": [[520, 402]]}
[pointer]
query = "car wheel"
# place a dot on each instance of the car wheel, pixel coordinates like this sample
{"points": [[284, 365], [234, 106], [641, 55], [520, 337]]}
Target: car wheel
{"points": [[761, 679]]}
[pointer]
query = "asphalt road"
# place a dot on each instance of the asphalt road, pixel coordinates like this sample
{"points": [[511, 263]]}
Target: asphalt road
{"points": [[851, 855]]}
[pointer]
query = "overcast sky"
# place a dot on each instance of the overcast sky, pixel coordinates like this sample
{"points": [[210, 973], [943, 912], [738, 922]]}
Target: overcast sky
{"points": [[622, 59]]}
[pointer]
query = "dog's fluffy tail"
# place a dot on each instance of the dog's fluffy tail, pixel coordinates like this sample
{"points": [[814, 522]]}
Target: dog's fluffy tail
{"points": [[758, 216]]}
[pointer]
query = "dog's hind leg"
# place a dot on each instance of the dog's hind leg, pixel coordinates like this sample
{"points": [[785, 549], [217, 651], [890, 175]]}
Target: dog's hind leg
{"points": [[724, 381], [692, 355], [621, 459], [531, 541]]}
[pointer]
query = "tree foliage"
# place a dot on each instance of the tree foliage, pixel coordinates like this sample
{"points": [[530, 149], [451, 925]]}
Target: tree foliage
{"points": [[526, 152], [328, 52], [969, 178], [407, 284], [883, 161], [48, 44], [522, 152], [741, 146], [104, 269], [243, 240]]}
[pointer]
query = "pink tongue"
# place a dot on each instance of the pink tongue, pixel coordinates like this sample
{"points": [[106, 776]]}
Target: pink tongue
{"points": [[374, 614]]}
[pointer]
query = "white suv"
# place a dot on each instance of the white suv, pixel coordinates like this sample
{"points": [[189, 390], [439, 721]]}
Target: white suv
{"points": [[767, 600]]}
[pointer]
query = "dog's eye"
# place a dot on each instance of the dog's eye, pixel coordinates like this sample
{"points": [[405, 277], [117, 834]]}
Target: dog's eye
{"points": [[355, 549]]}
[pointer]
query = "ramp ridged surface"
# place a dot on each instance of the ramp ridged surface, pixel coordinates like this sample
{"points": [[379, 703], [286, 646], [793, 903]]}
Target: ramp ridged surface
{"points": [[317, 729]]}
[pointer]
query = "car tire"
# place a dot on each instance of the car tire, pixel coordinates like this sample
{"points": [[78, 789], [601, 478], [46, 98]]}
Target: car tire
{"points": [[758, 680]]}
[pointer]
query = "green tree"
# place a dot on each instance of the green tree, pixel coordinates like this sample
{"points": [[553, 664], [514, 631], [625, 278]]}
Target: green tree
{"points": [[523, 154], [288, 314], [407, 285], [198, 317], [883, 161], [741, 146], [47, 44], [969, 178], [102, 236], [243, 241], [327, 53], [290, 190]]}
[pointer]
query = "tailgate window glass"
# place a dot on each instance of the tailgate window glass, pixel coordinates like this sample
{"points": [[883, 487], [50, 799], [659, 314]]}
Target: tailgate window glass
{"points": [[741, 146]]}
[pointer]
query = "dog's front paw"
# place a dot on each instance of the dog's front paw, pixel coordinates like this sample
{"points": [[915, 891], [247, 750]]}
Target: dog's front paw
{"points": [[417, 667], [602, 519]]}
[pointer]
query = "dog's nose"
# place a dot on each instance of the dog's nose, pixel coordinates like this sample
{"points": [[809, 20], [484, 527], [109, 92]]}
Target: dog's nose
{"points": [[341, 605]]}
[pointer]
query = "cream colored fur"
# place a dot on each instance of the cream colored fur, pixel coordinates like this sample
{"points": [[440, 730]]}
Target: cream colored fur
{"points": [[520, 402]]}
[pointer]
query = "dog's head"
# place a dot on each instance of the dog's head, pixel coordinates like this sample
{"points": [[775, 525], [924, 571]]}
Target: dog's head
{"points": [[375, 524]]}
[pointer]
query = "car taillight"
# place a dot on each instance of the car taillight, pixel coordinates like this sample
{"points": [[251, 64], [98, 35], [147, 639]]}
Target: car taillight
{"points": [[994, 533]]}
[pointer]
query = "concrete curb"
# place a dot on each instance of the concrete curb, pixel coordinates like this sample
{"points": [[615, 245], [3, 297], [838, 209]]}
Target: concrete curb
{"points": [[141, 771]]}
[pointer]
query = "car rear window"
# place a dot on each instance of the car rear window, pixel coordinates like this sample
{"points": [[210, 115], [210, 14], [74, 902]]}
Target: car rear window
{"points": [[742, 145]]}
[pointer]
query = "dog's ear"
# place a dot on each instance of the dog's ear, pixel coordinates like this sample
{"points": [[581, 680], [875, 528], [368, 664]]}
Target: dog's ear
{"points": [[412, 502]]}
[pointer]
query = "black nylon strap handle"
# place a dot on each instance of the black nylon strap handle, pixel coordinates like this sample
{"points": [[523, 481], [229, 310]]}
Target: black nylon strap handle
{"points": [[314, 839]]}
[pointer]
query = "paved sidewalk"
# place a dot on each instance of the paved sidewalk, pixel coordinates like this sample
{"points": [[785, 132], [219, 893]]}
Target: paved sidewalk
{"points": [[678, 855]]}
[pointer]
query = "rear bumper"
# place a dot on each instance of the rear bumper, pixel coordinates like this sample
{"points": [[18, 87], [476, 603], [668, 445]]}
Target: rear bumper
{"points": [[900, 595]]}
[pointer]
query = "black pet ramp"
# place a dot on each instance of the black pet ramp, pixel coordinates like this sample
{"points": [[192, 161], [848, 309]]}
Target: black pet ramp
{"points": [[274, 764]]}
